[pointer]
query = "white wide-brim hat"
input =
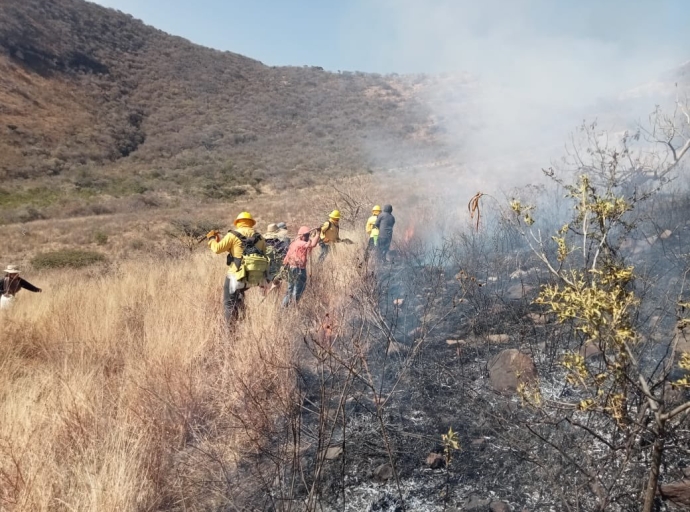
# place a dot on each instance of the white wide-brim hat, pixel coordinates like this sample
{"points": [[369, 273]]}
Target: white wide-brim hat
{"points": [[11, 269]]}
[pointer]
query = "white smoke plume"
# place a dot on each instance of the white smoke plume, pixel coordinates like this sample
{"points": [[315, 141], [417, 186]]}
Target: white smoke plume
{"points": [[522, 74]]}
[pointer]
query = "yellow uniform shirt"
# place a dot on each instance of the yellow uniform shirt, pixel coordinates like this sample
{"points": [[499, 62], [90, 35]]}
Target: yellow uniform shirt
{"points": [[330, 232], [231, 244], [372, 231]]}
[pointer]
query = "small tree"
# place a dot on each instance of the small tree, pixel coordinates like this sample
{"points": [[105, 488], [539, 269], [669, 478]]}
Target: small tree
{"points": [[188, 233], [621, 399]]}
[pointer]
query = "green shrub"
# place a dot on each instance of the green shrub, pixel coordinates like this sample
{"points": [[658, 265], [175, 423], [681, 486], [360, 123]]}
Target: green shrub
{"points": [[72, 258], [100, 237]]}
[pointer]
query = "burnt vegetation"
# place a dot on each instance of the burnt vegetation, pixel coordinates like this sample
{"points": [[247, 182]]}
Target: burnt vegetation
{"points": [[539, 362]]}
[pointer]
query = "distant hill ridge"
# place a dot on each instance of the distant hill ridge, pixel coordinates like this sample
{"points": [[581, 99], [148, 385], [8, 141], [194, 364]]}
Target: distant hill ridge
{"points": [[94, 102]]}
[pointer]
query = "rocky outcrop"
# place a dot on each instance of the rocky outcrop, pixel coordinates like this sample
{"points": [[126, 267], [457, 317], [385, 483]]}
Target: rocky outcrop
{"points": [[677, 493], [509, 368]]}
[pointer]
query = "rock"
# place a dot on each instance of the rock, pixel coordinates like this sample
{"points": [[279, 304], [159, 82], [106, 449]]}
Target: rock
{"points": [[589, 350], [509, 368], [674, 396], [686, 472], [475, 503], [683, 345], [435, 460], [499, 506], [518, 291], [478, 441], [383, 473], [333, 452], [399, 302], [537, 318], [676, 492], [496, 309], [518, 274], [498, 338], [666, 234]]}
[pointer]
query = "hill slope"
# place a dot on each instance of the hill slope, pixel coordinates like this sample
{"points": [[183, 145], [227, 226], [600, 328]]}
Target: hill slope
{"points": [[94, 102]]}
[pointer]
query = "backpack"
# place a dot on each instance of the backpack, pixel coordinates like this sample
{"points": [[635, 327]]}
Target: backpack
{"points": [[252, 267], [276, 249]]}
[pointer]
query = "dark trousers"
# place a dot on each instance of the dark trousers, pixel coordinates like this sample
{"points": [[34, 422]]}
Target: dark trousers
{"points": [[383, 246], [232, 301], [325, 249], [371, 245], [297, 282]]}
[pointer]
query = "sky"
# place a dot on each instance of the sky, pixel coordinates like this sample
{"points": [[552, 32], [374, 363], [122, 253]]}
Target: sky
{"points": [[484, 37]]}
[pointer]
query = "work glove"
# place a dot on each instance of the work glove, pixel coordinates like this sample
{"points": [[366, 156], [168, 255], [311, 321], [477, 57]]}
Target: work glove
{"points": [[213, 234]]}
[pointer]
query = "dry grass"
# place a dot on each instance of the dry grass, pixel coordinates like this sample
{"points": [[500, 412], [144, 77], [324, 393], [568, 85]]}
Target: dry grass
{"points": [[121, 389]]}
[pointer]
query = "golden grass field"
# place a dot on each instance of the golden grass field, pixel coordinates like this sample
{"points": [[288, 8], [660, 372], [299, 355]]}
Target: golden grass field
{"points": [[112, 375], [120, 386]]}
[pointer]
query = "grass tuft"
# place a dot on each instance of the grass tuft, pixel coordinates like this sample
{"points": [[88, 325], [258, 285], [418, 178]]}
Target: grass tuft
{"points": [[69, 258]]}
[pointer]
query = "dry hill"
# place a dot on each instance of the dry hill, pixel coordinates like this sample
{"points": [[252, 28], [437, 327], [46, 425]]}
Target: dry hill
{"points": [[95, 104]]}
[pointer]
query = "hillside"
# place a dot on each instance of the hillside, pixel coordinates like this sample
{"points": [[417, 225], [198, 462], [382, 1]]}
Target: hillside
{"points": [[94, 104]]}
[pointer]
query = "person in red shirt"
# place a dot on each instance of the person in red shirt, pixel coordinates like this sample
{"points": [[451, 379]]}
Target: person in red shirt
{"points": [[295, 262]]}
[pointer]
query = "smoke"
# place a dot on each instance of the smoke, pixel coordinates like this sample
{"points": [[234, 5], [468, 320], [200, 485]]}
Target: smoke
{"points": [[519, 75]]}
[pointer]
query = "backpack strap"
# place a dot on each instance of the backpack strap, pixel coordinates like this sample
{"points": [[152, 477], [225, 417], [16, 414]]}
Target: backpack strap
{"points": [[239, 235], [243, 241]]}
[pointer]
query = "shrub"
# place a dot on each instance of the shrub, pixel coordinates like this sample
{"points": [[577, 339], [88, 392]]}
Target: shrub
{"points": [[71, 258], [189, 232], [100, 237]]}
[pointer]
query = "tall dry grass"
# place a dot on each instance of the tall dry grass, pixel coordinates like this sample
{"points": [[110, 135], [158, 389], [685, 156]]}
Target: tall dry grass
{"points": [[124, 390]]}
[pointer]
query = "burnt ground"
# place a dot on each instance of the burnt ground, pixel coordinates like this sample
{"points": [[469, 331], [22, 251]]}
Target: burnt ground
{"points": [[443, 385], [432, 373], [411, 362]]}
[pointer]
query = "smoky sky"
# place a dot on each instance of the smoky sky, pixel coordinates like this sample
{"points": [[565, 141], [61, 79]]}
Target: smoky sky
{"points": [[533, 69], [561, 49]]}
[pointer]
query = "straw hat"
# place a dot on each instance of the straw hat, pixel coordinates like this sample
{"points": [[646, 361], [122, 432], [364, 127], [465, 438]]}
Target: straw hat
{"points": [[11, 269]]}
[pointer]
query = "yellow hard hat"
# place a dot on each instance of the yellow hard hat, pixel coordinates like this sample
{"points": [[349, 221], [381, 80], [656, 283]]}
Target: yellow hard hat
{"points": [[245, 216], [335, 214], [376, 208]]}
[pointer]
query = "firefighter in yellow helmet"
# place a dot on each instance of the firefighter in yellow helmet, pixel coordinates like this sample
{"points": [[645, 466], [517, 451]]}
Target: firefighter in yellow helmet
{"points": [[371, 229], [246, 260], [329, 234]]}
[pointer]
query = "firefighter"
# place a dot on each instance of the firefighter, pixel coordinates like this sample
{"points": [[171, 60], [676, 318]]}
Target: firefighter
{"points": [[296, 262], [10, 286], [329, 234], [384, 223], [283, 232], [372, 231], [246, 260], [277, 244]]}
